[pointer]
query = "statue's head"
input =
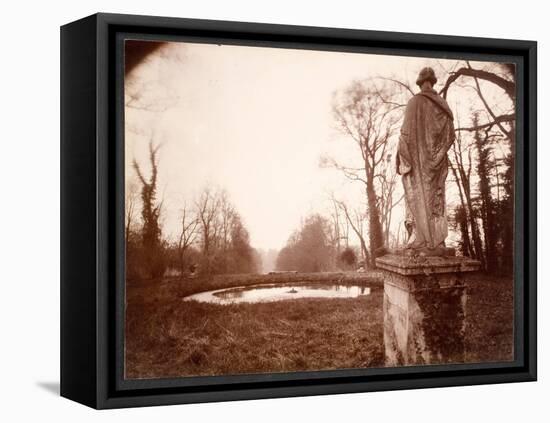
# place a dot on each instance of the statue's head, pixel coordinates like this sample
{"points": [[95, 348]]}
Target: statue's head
{"points": [[426, 74]]}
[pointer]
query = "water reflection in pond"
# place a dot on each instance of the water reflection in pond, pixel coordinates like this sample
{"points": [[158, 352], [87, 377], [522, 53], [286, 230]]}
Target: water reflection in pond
{"points": [[279, 292]]}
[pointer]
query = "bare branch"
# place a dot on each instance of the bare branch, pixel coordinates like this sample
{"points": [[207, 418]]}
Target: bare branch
{"points": [[489, 110], [400, 83], [496, 121], [508, 86]]}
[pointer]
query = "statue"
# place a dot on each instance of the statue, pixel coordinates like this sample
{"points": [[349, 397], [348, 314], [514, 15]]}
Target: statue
{"points": [[425, 283], [426, 136]]}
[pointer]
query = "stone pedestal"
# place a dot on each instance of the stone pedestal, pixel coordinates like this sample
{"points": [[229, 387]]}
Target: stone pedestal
{"points": [[424, 308]]}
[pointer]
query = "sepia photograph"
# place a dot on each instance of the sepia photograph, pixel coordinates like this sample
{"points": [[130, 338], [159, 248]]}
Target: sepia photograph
{"points": [[291, 210]]}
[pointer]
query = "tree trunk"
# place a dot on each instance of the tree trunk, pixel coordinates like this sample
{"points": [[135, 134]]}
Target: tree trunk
{"points": [[365, 250], [508, 212], [467, 249], [486, 201], [376, 236], [473, 223]]}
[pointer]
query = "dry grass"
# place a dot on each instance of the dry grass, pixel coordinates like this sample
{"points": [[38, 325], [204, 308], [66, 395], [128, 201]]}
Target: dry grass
{"points": [[169, 337], [191, 338], [490, 319]]}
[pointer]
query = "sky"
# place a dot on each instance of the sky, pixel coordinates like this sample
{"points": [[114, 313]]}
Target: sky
{"points": [[254, 121]]}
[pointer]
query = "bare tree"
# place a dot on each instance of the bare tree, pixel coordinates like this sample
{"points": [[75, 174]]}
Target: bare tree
{"points": [[130, 204], [365, 115], [461, 215], [339, 230], [207, 207], [355, 220], [462, 165], [389, 196], [224, 223], [188, 234]]}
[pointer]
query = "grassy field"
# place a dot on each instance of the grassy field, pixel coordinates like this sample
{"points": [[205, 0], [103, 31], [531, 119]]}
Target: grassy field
{"points": [[490, 319], [169, 337]]}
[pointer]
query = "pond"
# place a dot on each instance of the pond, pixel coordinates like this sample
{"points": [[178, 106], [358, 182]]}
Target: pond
{"points": [[278, 292]]}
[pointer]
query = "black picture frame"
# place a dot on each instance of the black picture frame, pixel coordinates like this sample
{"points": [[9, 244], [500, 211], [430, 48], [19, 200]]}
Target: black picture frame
{"points": [[92, 185]]}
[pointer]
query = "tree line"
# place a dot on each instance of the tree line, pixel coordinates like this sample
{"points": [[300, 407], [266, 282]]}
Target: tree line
{"points": [[314, 247], [368, 114], [212, 238]]}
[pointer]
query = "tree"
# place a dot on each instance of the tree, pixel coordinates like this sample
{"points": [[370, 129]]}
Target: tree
{"points": [[130, 204], [224, 239], [225, 221], [492, 122], [462, 171], [242, 257], [187, 236], [365, 115], [308, 249], [389, 197], [355, 221], [133, 239], [482, 168], [150, 214], [348, 258], [460, 223], [207, 207], [487, 206]]}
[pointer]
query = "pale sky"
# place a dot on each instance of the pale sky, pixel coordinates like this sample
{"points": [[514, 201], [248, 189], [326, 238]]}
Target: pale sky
{"points": [[254, 121]]}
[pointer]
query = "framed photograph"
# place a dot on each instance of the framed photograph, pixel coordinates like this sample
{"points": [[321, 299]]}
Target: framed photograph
{"points": [[257, 211]]}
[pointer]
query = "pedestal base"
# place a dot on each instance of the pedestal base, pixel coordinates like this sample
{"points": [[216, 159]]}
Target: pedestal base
{"points": [[424, 308]]}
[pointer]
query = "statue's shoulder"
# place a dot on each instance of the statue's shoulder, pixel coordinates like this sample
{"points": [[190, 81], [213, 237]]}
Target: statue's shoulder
{"points": [[436, 99], [414, 100], [414, 104]]}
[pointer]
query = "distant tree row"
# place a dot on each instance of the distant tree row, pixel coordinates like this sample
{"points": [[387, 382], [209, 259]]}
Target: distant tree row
{"points": [[313, 248], [212, 238]]}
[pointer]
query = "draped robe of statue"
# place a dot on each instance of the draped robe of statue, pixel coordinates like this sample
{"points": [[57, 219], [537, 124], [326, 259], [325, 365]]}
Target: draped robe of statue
{"points": [[426, 136]]}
